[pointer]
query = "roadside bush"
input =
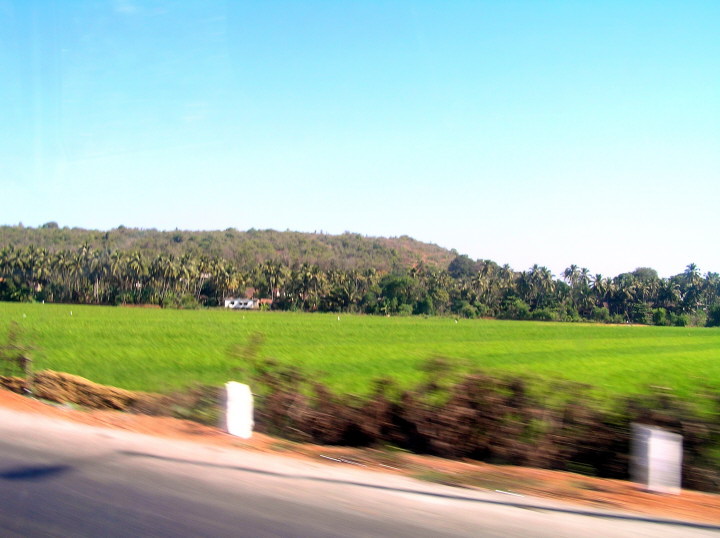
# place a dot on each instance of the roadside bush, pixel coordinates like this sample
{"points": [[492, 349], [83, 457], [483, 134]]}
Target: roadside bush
{"points": [[201, 404], [495, 420], [484, 417], [15, 354]]}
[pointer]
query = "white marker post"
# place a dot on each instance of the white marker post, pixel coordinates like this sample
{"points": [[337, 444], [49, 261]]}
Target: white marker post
{"points": [[657, 459], [239, 410]]}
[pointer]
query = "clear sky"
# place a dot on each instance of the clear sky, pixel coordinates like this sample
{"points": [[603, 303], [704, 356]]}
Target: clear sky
{"points": [[549, 132]]}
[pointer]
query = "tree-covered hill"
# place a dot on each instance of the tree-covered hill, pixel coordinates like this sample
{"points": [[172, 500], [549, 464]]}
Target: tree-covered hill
{"points": [[245, 249]]}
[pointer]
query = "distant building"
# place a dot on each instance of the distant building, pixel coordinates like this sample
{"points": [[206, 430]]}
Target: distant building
{"points": [[241, 303]]}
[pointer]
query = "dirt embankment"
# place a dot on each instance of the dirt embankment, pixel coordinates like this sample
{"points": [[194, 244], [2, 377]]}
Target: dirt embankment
{"points": [[589, 491], [66, 388], [62, 387]]}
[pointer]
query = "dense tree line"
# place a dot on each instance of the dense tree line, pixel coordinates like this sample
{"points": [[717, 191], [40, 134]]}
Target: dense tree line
{"points": [[465, 288]]}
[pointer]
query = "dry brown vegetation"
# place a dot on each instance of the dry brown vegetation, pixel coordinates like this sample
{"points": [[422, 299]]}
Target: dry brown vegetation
{"points": [[490, 419]]}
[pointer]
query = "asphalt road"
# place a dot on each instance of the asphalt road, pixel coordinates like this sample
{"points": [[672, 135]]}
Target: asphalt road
{"points": [[64, 479]]}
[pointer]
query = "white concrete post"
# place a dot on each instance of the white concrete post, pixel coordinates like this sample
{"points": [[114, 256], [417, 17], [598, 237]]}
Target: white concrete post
{"points": [[656, 459], [239, 411]]}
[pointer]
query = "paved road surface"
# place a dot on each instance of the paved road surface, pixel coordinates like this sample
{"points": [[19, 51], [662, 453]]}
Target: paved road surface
{"points": [[65, 479]]}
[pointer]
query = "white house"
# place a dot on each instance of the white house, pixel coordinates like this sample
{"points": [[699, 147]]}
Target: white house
{"points": [[240, 304]]}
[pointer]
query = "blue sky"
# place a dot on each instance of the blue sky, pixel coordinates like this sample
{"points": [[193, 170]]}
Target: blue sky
{"points": [[524, 132]]}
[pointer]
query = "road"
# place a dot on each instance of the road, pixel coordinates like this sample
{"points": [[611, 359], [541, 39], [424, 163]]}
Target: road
{"points": [[60, 478]]}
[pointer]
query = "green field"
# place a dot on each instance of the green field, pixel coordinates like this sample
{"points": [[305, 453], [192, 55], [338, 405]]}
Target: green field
{"points": [[162, 350]]}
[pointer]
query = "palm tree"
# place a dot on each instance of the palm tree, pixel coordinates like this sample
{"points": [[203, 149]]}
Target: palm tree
{"points": [[539, 286], [76, 271], [204, 272], [693, 287], [571, 275], [669, 294], [98, 270], [39, 265], [119, 279], [600, 288], [623, 294], [692, 272], [164, 273], [187, 269], [584, 278], [311, 281], [711, 289], [222, 278], [274, 275], [238, 281], [136, 273]]}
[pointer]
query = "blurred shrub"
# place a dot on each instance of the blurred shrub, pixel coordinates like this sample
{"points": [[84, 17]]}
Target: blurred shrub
{"points": [[488, 418]]}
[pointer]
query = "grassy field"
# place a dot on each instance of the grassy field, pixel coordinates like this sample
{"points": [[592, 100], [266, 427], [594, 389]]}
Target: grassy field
{"points": [[162, 350]]}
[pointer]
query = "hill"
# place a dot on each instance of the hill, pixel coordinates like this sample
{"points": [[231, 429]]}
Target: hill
{"points": [[244, 248]]}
